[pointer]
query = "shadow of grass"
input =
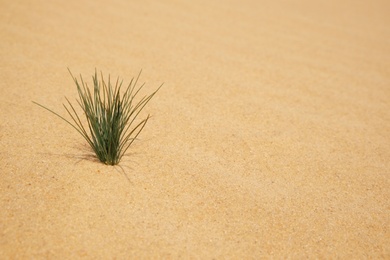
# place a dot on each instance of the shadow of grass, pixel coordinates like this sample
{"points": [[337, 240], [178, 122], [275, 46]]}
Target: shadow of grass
{"points": [[87, 154]]}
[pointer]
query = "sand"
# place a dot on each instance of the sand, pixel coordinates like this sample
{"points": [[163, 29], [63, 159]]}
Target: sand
{"points": [[269, 138]]}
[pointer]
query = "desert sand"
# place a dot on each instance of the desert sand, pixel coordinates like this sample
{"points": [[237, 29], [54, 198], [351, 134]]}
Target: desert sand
{"points": [[269, 138]]}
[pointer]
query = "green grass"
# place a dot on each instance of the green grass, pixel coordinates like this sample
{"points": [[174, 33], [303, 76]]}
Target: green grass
{"points": [[111, 117]]}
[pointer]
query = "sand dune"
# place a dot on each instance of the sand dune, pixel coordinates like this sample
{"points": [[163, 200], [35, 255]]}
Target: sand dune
{"points": [[270, 137]]}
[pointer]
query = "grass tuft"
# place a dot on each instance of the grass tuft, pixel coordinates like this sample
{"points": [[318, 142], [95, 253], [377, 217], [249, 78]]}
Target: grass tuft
{"points": [[111, 117]]}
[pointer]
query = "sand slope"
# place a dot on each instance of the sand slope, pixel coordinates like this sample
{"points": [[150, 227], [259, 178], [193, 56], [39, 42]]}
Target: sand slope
{"points": [[269, 138]]}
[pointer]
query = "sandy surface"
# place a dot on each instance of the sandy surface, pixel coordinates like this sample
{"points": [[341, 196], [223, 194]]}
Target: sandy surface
{"points": [[270, 137]]}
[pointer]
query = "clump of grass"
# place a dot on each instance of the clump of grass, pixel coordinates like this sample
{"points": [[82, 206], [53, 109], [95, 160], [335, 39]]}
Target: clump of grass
{"points": [[111, 117]]}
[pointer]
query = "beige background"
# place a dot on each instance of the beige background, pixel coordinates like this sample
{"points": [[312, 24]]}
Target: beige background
{"points": [[270, 137]]}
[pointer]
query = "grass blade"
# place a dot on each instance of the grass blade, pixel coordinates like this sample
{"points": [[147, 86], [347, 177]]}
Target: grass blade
{"points": [[110, 116]]}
